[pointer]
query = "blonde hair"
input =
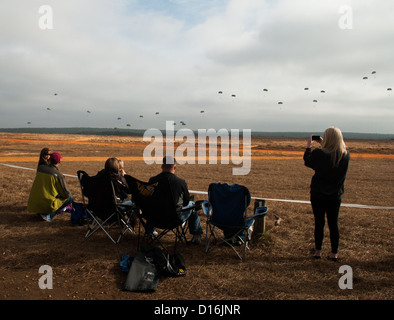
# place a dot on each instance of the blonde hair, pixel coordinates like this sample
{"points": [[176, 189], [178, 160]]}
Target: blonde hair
{"points": [[121, 164], [333, 144]]}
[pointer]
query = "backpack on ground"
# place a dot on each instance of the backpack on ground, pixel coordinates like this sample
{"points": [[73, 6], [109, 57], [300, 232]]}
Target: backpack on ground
{"points": [[78, 215], [148, 265], [143, 274]]}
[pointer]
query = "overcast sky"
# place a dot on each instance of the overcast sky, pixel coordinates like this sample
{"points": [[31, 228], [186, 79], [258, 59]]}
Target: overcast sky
{"points": [[140, 63]]}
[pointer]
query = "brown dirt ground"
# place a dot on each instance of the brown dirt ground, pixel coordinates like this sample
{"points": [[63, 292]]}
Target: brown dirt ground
{"points": [[278, 267]]}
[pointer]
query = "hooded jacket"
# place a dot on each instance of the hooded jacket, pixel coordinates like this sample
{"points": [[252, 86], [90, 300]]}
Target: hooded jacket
{"points": [[49, 190]]}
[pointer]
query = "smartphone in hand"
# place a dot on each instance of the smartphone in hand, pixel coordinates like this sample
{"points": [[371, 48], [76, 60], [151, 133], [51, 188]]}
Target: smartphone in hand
{"points": [[316, 137]]}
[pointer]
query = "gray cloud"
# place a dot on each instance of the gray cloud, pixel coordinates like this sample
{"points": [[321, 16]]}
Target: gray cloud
{"points": [[126, 59]]}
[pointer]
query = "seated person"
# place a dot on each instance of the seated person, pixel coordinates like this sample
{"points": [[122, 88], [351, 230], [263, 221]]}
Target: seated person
{"points": [[99, 191], [49, 194], [123, 194], [181, 198], [44, 157]]}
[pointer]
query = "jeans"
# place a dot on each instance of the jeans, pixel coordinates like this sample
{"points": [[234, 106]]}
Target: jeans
{"points": [[194, 219], [65, 204], [321, 207]]}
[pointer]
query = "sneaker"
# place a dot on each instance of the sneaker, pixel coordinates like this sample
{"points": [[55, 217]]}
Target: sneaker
{"points": [[237, 241], [46, 217], [152, 235]]}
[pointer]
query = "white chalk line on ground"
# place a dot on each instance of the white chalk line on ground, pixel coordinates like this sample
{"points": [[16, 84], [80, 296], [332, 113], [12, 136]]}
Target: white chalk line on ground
{"points": [[361, 206]]}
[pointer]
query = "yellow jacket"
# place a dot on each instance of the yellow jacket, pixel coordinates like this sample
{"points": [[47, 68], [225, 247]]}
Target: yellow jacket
{"points": [[49, 190]]}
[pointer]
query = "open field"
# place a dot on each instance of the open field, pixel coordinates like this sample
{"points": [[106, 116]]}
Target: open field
{"points": [[279, 266]]}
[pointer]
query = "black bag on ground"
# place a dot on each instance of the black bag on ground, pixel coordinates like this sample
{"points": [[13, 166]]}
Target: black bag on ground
{"points": [[149, 264], [143, 275], [175, 265], [78, 215], [170, 265]]}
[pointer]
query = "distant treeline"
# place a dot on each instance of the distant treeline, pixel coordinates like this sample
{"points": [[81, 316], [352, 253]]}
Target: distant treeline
{"points": [[140, 133]]}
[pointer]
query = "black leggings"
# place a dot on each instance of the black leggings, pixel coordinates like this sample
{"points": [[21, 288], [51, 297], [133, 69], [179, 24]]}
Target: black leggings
{"points": [[320, 208]]}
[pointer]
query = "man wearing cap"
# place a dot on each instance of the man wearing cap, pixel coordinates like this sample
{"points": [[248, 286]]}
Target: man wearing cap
{"points": [[181, 198], [49, 194]]}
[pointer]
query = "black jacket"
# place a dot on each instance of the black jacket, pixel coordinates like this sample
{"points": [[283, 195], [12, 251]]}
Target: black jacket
{"points": [[179, 189], [98, 189], [328, 181]]}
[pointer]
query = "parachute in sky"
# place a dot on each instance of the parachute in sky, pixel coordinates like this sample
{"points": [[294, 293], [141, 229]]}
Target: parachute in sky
{"points": [[141, 116], [202, 111], [220, 92], [388, 89], [265, 89], [233, 95], [129, 125], [157, 113], [373, 72], [322, 91], [314, 100], [280, 102], [365, 78], [306, 88], [48, 108], [28, 122], [88, 111], [119, 118]]}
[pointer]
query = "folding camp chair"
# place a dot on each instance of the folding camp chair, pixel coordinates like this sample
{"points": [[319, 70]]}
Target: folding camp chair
{"points": [[156, 207], [103, 211], [226, 210]]}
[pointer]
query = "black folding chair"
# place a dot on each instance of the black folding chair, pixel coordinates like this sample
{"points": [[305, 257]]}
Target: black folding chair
{"points": [[157, 208], [103, 211]]}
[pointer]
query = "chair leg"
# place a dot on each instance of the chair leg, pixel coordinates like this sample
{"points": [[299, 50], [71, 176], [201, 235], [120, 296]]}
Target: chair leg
{"points": [[241, 253], [96, 225]]}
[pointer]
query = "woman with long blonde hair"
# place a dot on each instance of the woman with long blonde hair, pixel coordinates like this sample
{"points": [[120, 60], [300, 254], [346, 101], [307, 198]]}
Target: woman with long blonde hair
{"points": [[330, 163]]}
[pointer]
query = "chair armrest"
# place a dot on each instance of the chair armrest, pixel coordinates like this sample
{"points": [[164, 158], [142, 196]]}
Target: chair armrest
{"points": [[260, 211], [207, 208], [196, 206]]}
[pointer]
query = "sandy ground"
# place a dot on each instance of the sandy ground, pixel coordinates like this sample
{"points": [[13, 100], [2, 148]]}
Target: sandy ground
{"points": [[278, 266]]}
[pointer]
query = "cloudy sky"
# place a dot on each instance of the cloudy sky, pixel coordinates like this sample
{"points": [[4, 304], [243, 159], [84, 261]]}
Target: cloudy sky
{"points": [[140, 63]]}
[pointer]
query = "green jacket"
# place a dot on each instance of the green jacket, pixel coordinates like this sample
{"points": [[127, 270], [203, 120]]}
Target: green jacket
{"points": [[49, 190]]}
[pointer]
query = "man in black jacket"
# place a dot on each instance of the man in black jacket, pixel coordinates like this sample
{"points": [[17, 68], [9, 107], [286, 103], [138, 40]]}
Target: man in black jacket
{"points": [[181, 197]]}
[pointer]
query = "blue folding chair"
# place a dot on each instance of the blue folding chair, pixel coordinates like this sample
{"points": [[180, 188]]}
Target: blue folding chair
{"points": [[226, 210]]}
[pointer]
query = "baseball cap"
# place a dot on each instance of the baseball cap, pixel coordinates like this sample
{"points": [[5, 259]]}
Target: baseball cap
{"points": [[56, 156]]}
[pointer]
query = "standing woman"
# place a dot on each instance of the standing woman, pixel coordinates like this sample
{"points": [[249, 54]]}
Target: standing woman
{"points": [[330, 163]]}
